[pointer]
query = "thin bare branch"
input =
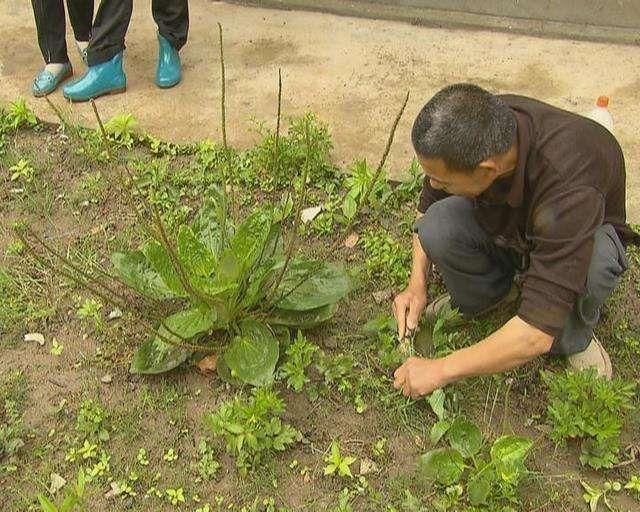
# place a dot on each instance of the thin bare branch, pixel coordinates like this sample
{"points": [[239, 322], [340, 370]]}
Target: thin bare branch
{"points": [[376, 176]]}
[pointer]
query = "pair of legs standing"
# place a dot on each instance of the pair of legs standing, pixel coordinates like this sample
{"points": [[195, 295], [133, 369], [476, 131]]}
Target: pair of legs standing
{"points": [[51, 29], [478, 274], [105, 37], [112, 22]]}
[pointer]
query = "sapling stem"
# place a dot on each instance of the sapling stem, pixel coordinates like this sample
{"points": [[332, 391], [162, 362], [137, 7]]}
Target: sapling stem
{"points": [[223, 112], [277, 140], [87, 281], [73, 128], [226, 181], [129, 199], [175, 260], [84, 281], [376, 175], [70, 264], [296, 220]]}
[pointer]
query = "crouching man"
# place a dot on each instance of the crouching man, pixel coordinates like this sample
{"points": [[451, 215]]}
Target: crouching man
{"points": [[513, 185]]}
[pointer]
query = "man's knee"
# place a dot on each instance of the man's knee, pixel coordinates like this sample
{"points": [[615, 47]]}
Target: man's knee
{"points": [[442, 224], [608, 262]]}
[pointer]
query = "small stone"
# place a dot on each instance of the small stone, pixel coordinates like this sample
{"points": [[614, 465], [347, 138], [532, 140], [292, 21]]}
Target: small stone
{"points": [[106, 379], [308, 214], [382, 296], [34, 336], [116, 313], [368, 466]]}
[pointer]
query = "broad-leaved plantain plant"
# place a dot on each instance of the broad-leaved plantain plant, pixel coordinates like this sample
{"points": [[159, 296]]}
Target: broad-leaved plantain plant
{"points": [[237, 289]]}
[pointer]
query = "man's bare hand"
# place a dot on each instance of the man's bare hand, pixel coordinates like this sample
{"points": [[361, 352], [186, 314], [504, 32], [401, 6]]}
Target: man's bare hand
{"points": [[418, 377], [407, 308]]}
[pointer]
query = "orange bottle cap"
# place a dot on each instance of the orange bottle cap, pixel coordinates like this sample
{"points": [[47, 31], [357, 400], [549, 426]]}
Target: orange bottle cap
{"points": [[603, 101]]}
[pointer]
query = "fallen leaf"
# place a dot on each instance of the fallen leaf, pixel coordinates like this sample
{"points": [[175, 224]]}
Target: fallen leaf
{"points": [[106, 379], [308, 214], [34, 336], [367, 466], [207, 365], [352, 240], [116, 313], [115, 491], [57, 483], [382, 296]]}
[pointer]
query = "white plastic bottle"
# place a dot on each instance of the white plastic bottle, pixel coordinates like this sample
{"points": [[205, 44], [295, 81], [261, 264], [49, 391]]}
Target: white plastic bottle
{"points": [[601, 115]]}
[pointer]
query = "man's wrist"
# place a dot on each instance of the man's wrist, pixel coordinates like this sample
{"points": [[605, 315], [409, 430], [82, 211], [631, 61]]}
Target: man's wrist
{"points": [[418, 279], [450, 373]]}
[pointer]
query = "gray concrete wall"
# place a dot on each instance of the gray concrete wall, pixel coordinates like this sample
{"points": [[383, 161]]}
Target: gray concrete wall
{"points": [[615, 21]]}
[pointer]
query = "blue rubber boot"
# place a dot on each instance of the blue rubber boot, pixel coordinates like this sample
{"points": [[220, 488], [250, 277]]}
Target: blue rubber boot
{"points": [[169, 71], [101, 79], [46, 82]]}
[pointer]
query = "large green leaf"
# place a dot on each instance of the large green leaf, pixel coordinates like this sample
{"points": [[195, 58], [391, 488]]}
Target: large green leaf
{"points": [[444, 465], [160, 261], [508, 454], [302, 319], [310, 285], [480, 483], [196, 258], [206, 225], [250, 240], [465, 437], [135, 271], [253, 354], [157, 356]]}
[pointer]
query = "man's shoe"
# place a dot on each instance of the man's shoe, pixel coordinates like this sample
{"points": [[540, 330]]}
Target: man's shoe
{"points": [[169, 71], [436, 306], [594, 356], [46, 82], [101, 79]]}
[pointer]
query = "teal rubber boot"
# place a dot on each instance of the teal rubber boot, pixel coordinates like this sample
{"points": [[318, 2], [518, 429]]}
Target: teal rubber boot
{"points": [[101, 79], [46, 82], [169, 71]]}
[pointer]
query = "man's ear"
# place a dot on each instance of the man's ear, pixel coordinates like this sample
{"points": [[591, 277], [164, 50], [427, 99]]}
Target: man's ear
{"points": [[489, 167]]}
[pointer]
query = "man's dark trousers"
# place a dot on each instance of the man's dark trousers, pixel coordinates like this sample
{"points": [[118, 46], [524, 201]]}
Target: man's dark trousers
{"points": [[50, 24], [112, 21], [477, 273]]}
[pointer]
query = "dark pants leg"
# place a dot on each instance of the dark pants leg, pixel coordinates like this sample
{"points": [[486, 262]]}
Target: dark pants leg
{"points": [[478, 274], [172, 18], [607, 265], [50, 25], [81, 17], [109, 29]]}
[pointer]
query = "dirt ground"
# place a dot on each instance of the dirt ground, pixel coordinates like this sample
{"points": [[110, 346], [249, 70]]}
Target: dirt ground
{"points": [[353, 72]]}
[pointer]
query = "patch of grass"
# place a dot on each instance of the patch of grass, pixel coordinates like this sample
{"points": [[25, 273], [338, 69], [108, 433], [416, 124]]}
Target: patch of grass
{"points": [[591, 410], [20, 304], [13, 395], [386, 259]]}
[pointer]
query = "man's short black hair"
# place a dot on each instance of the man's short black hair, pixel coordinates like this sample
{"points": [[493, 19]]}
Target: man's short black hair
{"points": [[463, 124]]}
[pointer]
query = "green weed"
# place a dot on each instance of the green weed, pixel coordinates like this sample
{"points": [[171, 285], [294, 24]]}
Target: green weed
{"points": [[299, 356], [337, 463], [491, 478], [252, 427], [589, 409], [386, 259], [20, 115]]}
